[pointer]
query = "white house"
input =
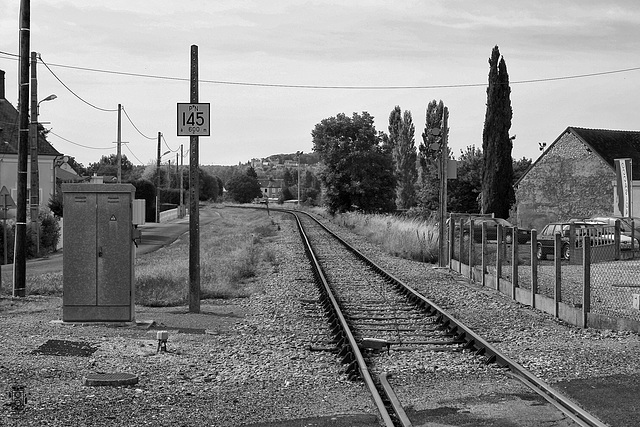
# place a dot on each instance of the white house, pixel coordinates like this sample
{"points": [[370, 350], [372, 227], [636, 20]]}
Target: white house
{"points": [[9, 136]]}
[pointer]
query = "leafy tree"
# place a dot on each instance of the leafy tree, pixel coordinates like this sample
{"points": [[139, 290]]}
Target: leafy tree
{"points": [[78, 167], [243, 188], [358, 171], [252, 172], [285, 195], [287, 178], [520, 167], [498, 194], [402, 141], [56, 204], [208, 186], [146, 190], [108, 166], [463, 193], [220, 187], [395, 128]]}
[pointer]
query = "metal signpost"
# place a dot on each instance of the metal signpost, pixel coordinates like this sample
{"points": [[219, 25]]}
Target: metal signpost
{"points": [[194, 121]]}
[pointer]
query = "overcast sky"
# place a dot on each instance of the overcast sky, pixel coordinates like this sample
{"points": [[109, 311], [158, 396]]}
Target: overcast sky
{"points": [[440, 48]]}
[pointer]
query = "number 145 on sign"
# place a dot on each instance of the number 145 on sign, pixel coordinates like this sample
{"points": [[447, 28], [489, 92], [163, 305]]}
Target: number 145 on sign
{"points": [[194, 119]]}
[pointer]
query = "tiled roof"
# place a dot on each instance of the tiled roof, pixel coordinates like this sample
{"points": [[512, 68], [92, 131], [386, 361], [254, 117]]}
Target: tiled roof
{"points": [[612, 144], [10, 132]]}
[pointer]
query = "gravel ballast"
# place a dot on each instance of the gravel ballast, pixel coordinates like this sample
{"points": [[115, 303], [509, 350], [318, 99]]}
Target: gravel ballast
{"points": [[259, 360]]}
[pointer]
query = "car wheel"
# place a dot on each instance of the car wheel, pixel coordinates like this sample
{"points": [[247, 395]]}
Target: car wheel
{"points": [[565, 252], [539, 253]]}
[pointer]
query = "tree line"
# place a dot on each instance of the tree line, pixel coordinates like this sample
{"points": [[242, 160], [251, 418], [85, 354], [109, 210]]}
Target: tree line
{"points": [[374, 171]]}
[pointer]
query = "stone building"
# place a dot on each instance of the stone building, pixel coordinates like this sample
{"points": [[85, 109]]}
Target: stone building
{"points": [[576, 177]]}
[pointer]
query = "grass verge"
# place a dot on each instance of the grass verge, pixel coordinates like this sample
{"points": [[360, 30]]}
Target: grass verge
{"points": [[232, 253]]}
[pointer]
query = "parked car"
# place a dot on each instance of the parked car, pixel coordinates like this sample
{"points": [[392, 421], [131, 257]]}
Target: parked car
{"points": [[546, 238], [626, 225], [492, 229]]}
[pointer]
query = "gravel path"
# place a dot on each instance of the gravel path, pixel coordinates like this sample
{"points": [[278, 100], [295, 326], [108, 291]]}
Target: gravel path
{"points": [[254, 361]]}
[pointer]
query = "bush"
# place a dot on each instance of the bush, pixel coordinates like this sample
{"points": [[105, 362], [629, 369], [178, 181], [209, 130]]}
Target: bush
{"points": [[49, 232], [147, 191], [49, 237]]}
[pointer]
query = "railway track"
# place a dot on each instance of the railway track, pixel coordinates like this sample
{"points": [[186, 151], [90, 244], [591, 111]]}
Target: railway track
{"points": [[371, 313]]}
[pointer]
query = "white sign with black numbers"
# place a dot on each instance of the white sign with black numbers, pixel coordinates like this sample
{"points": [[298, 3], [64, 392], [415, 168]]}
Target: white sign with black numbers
{"points": [[194, 119]]}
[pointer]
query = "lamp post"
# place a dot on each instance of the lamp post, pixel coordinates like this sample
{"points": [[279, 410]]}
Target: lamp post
{"points": [[34, 197], [158, 179]]}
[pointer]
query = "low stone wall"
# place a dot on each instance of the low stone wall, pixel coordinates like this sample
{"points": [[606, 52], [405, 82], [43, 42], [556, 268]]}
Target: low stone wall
{"points": [[168, 215]]}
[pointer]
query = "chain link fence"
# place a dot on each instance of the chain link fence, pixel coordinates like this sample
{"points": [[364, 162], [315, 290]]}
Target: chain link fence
{"points": [[507, 260], [615, 278]]}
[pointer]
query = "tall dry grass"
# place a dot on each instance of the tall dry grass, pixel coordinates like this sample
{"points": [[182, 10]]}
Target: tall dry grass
{"points": [[231, 254], [409, 238]]}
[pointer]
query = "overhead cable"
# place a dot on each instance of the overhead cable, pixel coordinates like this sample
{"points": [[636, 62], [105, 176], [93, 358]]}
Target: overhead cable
{"points": [[72, 92], [167, 145], [339, 87], [134, 126], [79, 145]]}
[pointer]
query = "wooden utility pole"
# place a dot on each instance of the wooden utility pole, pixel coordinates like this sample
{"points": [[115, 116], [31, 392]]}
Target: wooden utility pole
{"points": [[119, 142], [181, 183], [34, 196], [194, 199], [444, 158], [158, 180], [20, 248]]}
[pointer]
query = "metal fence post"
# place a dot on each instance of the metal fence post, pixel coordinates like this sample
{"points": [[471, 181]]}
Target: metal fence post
{"points": [[460, 246], [534, 267], [471, 249], [452, 226], [557, 260], [498, 256], [586, 281], [616, 240], [484, 252], [514, 261]]}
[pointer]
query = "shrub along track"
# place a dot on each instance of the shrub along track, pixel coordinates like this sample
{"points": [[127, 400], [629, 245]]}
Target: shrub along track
{"points": [[374, 317]]}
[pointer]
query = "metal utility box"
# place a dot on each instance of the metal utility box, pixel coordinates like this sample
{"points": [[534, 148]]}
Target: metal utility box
{"points": [[98, 272], [139, 212]]}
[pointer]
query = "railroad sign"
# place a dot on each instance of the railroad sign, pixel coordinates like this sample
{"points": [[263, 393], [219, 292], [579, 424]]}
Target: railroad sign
{"points": [[6, 202], [194, 119]]}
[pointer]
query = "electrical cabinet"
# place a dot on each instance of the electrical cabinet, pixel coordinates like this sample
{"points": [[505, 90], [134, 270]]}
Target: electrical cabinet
{"points": [[98, 260]]}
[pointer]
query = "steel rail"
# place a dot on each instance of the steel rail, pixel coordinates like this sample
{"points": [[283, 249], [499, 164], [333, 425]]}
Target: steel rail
{"points": [[479, 344], [348, 335]]}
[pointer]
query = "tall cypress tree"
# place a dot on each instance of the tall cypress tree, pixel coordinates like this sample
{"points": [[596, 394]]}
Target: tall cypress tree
{"points": [[497, 173], [406, 168], [403, 148]]}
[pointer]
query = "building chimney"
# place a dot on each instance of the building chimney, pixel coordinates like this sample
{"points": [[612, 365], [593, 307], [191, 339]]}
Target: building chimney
{"points": [[2, 84]]}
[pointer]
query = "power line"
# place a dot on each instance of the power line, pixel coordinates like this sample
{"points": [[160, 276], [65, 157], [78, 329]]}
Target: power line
{"points": [[136, 157], [167, 145], [95, 148], [337, 87], [72, 92], [79, 145], [134, 126]]}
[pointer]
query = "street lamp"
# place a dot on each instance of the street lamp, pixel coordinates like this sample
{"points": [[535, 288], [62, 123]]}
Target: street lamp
{"points": [[48, 98], [158, 180], [34, 199]]}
